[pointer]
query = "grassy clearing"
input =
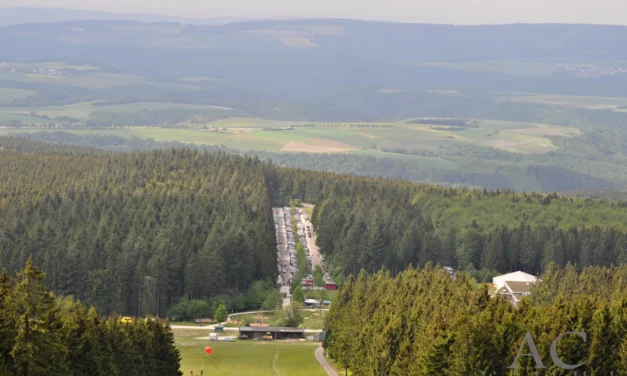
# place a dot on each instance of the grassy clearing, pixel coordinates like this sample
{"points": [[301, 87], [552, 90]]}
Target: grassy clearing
{"points": [[51, 65], [297, 42], [315, 294], [84, 109], [245, 358], [425, 161], [245, 133], [572, 101], [8, 95], [90, 80], [514, 67], [311, 318]]}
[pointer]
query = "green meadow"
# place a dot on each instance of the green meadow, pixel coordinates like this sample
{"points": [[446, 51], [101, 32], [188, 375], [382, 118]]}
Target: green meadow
{"points": [[246, 134], [245, 358]]}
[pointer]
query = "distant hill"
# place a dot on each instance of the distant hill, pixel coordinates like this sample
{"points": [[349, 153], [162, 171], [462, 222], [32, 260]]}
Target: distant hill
{"points": [[15, 16], [316, 57]]}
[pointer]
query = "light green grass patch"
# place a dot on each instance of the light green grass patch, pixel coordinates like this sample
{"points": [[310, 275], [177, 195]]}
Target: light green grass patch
{"points": [[84, 109], [57, 65], [91, 80], [325, 29], [438, 163], [248, 358], [297, 42], [8, 95], [501, 124], [201, 79], [513, 67], [572, 101]]}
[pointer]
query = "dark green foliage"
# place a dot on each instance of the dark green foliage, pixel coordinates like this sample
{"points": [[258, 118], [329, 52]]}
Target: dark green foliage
{"points": [[365, 223], [425, 323], [39, 339], [134, 233]]}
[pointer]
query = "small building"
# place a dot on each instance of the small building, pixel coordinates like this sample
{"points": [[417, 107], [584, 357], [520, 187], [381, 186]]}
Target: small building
{"points": [[276, 333], [514, 285], [516, 290], [519, 276]]}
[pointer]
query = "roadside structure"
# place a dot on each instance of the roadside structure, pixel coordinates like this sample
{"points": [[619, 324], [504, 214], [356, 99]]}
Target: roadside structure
{"points": [[514, 285]]}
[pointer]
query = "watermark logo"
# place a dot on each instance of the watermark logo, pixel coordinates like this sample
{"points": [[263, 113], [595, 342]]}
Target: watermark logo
{"points": [[554, 357]]}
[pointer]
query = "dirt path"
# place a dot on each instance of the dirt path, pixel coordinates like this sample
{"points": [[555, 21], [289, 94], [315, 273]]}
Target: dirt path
{"points": [[323, 362]]}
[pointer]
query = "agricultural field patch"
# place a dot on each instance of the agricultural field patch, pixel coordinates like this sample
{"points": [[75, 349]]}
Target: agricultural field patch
{"points": [[297, 42], [57, 65], [86, 80], [513, 67], [439, 163], [84, 109], [8, 95], [571, 101], [317, 146]]}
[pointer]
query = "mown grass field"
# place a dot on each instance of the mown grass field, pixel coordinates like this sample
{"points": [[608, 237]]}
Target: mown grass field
{"points": [[512, 66], [246, 134], [8, 95], [245, 358], [86, 80], [84, 109], [572, 101]]}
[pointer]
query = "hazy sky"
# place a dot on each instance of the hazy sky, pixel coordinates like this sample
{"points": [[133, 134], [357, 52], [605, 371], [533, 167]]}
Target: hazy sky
{"points": [[436, 11]]}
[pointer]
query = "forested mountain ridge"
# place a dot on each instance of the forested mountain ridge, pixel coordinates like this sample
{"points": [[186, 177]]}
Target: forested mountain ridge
{"points": [[44, 335], [170, 224], [369, 223], [164, 225]]}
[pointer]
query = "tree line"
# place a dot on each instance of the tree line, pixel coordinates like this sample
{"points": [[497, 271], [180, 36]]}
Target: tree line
{"points": [[423, 322], [136, 233], [371, 223], [43, 335]]}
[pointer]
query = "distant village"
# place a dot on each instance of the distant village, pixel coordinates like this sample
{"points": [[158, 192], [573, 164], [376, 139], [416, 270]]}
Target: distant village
{"points": [[211, 128], [37, 70], [590, 70]]}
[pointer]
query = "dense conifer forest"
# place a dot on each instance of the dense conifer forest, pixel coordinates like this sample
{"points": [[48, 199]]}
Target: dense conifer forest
{"points": [[136, 233], [369, 223], [43, 335], [423, 322], [142, 232]]}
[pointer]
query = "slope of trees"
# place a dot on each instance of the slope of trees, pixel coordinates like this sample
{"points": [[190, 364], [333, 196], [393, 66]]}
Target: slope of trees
{"points": [[424, 323], [137, 233], [43, 335], [134, 233], [369, 223]]}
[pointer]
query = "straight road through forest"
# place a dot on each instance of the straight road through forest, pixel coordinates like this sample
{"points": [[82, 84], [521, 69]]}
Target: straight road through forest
{"points": [[283, 255]]}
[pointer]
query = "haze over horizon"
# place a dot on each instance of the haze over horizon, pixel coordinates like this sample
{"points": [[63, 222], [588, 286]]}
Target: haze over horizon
{"points": [[422, 11]]}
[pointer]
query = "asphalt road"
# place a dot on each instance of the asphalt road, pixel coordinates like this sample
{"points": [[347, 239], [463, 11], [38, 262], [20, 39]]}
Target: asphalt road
{"points": [[323, 362], [284, 256]]}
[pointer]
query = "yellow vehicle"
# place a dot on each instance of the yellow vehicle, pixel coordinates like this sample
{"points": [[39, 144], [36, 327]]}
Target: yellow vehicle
{"points": [[268, 336], [126, 319]]}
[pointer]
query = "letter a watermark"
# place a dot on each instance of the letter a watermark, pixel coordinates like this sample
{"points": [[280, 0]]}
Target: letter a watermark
{"points": [[534, 352]]}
